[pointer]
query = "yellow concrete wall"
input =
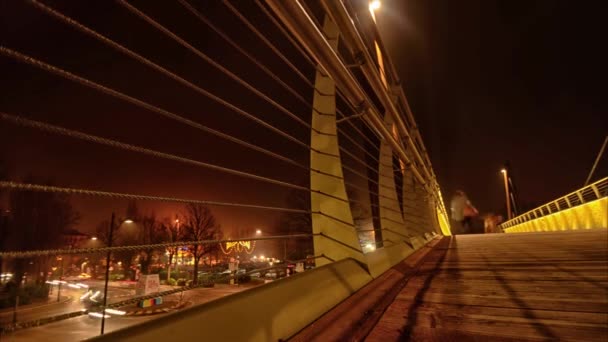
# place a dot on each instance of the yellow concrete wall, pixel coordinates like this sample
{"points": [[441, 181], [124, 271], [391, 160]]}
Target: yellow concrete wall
{"points": [[590, 215], [267, 313], [380, 260], [444, 223]]}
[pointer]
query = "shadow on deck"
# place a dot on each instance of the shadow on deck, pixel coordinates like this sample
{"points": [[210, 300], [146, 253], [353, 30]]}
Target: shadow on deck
{"points": [[498, 287]]}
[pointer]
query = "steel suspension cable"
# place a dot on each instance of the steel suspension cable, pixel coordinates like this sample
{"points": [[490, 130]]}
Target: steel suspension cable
{"points": [[212, 62], [117, 144], [222, 34], [285, 33], [10, 185], [312, 63], [48, 252], [92, 33], [266, 41], [237, 47], [250, 26], [137, 102]]}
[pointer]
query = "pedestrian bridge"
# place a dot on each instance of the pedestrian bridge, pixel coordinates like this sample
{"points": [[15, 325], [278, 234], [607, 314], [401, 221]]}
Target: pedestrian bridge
{"points": [[542, 284], [280, 97]]}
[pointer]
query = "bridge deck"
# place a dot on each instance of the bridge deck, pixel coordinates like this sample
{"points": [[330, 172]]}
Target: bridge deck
{"points": [[532, 286]]}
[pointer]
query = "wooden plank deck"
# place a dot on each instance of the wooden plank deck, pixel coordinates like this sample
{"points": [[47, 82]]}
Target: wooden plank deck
{"points": [[505, 287]]}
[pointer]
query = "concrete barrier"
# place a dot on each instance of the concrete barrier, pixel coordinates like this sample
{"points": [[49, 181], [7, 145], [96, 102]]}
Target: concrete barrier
{"points": [[267, 313]]}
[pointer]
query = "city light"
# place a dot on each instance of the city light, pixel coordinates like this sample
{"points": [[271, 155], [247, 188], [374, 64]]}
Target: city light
{"points": [[98, 315], [116, 312], [94, 238], [128, 221], [258, 232], [97, 293]]}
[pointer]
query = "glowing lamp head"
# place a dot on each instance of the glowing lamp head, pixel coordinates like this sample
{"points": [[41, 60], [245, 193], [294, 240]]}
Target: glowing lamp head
{"points": [[94, 238], [374, 5], [128, 221]]}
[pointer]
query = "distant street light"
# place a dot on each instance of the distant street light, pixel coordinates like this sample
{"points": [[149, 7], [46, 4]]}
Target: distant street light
{"points": [[128, 221], [94, 238], [258, 232]]}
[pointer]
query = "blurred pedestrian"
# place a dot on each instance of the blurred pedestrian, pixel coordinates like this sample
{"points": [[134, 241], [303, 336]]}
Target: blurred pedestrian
{"points": [[463, 212]]}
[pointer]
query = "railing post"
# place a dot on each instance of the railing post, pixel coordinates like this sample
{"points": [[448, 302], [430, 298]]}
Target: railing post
{"points": [[580, 196], [596, 191], [557, 205], [331, 214], [568, 202], [410, 207]]}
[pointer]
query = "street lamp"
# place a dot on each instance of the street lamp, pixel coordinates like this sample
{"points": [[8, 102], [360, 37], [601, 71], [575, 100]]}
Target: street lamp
{"points": [[94, 238], [504, 176], [105, 290], [373, 6], [258, 232]]}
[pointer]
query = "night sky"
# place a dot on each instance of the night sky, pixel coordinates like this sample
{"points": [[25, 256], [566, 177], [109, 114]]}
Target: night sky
{"points": [[488, 81], [491, 81]]}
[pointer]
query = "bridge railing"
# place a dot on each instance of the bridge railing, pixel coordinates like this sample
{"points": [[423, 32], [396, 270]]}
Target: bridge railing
{"points": [[564, 206], [237, 106]]}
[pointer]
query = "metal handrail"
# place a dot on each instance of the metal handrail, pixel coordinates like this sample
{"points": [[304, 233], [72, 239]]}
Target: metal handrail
{"points": [[586, 194]]}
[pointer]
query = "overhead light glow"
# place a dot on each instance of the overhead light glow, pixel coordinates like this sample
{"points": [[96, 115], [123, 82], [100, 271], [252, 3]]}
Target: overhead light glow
{"points": [[374, 5]]}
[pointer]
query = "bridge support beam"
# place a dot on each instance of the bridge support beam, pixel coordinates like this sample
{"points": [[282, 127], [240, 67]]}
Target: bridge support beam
{"points": [[391, 219], [413, 208], [331, 214]]}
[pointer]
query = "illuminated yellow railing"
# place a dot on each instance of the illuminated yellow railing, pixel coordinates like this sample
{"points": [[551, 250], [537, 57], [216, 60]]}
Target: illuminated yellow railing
{"points": [[585, 208]]}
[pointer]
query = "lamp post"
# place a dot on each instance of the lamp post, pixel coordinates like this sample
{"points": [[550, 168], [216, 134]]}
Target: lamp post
{"points": [[105, 289], [504, 176], [60, 259], [174, 249]]}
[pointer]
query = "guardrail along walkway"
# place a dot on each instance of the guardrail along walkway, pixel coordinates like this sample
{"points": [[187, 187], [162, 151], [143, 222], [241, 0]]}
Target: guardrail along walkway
{"points": [[531, 286]]}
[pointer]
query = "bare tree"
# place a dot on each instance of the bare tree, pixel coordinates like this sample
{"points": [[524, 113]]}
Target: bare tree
{"points": [[152, 232], [173, 234], [38, 221], [102, 232], [200, 224], [296, 223]]}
